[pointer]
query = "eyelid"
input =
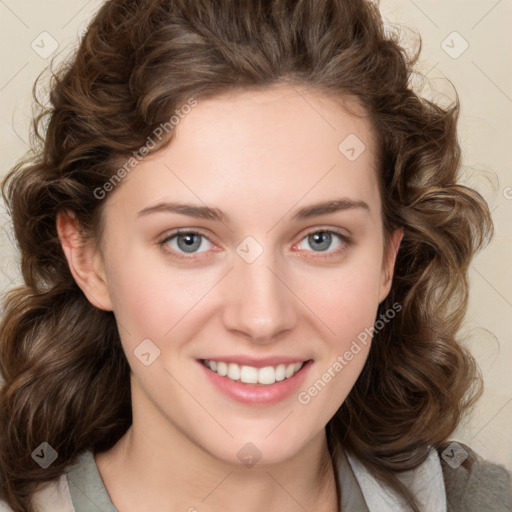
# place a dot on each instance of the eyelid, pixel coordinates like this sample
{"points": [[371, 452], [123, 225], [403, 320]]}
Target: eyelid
{"points": [[183, 231], [325, 229]]}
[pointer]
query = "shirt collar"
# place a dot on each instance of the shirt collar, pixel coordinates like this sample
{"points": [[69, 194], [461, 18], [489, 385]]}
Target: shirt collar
{"points": [[361, 491]]}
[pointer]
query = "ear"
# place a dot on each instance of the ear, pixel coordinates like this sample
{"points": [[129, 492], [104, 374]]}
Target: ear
{"points": [[388, 264], [85, 261]]}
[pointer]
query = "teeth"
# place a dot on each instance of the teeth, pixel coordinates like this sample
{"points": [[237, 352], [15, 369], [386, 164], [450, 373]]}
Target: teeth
{"points": [[233, 371], [280, 372], [290, 370], [248, 374], [267, 375], [251, 375], [222, 369]]}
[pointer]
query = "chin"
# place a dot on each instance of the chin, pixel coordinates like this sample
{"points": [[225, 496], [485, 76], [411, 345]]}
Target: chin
{"points": [[259, 450]]}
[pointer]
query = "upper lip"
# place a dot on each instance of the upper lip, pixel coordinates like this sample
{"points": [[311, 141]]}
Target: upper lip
{"points": [[258, 362]]}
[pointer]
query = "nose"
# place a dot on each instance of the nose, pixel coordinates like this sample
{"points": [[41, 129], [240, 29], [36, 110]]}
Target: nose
{"points": [[260, 305]]}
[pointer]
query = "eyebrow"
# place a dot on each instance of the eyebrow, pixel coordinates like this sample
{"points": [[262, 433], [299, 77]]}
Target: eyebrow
{"points": [[209, 213], [330, 207]]}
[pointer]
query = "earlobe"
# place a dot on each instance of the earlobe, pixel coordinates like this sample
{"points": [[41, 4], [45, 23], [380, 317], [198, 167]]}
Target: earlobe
{"points": [[84, 260], [389, 263]]}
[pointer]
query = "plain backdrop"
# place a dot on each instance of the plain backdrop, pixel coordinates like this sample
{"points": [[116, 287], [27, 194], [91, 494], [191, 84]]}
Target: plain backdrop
{"points": [[465, 42]]}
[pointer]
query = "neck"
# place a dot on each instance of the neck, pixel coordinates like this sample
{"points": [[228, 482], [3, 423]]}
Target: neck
{"points": [[146, 473]]}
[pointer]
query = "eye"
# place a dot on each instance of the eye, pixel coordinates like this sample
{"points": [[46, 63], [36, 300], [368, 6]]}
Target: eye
{"points": [[187, 242], [324, 241]]}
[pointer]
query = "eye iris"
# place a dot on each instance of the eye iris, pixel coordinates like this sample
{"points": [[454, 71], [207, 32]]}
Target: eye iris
{"points": [[189, 242], [322, 238]]}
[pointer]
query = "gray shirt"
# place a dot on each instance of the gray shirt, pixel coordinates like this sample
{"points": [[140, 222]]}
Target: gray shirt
{"points": [[473, 486]]}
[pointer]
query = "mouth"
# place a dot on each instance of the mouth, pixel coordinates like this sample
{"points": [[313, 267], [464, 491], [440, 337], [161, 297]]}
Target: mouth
{"points": [[256, 382], [256, 376]]}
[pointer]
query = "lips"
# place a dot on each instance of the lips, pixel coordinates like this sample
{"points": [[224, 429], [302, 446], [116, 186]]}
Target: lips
{"points": [[264, 387]]}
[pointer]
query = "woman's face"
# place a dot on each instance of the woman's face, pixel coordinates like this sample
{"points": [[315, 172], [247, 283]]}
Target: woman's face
{"points": [[288, 266]]}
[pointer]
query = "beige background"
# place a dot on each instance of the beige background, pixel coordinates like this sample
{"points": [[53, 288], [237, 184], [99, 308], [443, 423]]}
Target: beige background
{"points": [[483, 78]]}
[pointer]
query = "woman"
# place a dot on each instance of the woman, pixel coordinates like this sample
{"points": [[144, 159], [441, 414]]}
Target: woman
{"points": [[245, 253]]}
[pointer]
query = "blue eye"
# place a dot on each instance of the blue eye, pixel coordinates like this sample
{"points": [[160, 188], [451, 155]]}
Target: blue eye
{"points": [[185, 244], [321, 241], [188, 242]]}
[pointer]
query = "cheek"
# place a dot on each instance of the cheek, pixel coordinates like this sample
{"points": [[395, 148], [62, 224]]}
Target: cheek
{"points": [[347, 305], [345, 299], [151, 300]]}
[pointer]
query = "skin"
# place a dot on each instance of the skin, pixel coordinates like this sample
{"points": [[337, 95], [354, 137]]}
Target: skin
{"points": [[259, 157]]}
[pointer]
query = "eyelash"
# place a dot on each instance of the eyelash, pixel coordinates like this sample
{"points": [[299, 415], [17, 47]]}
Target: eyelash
{"points": [[332, 253]]}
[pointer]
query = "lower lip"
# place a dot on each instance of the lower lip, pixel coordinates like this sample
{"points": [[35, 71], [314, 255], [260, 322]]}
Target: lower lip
{"points": [[251, 394]]}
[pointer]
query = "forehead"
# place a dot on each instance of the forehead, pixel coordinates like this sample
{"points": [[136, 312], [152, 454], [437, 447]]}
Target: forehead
{"points": [[268, 148]]}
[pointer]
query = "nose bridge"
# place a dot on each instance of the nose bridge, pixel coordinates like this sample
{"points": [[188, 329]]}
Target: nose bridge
{"points": [[260, 304]]}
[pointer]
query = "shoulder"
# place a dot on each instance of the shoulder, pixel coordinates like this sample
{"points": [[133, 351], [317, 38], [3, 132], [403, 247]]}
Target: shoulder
{"points": [[472, 483], [4, 507], [54, 496]]}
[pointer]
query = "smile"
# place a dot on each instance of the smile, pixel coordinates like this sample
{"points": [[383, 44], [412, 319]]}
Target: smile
{"points": [[253, 381], [251, 375]]}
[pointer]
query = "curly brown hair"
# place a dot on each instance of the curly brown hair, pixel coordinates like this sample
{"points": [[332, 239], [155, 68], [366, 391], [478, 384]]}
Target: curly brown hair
{"points": [[138, 62]]}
